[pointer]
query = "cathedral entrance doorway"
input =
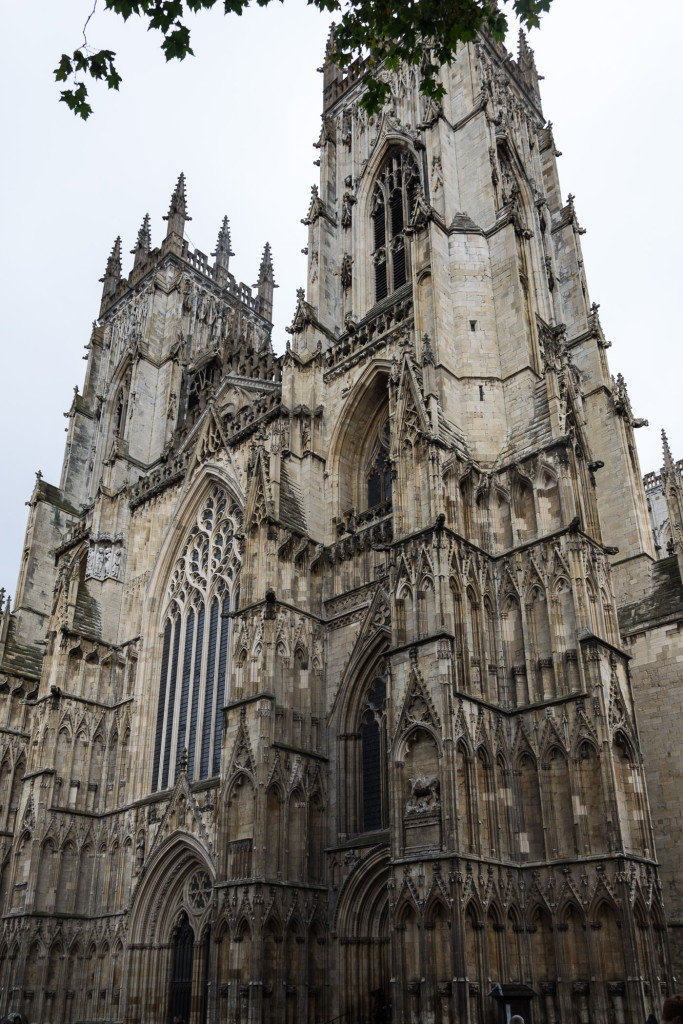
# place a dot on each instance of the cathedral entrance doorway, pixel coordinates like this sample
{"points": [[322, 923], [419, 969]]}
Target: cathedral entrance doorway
{"points": [[180, 997], [364, 933], [169, 936]]}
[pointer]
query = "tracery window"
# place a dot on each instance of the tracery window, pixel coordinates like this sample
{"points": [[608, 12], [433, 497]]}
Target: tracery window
{"points": [[378, 470], [393, 203], [196, 654]]}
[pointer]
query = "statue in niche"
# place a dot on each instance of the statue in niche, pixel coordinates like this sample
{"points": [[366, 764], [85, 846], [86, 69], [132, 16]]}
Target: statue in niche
{"points": [[115, 570]]}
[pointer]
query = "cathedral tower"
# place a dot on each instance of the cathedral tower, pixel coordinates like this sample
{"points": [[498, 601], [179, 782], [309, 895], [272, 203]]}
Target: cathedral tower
{"points": [[315, 700]]}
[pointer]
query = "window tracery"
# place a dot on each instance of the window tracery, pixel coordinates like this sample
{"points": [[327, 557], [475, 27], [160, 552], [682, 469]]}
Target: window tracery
{"points": [[378, 469], [196, 652], [393, 203]]}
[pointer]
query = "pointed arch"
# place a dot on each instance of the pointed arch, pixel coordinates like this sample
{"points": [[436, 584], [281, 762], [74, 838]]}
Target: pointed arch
{"points": [[192, 663], [541, 944], [558, 793], [531, 844], [358, 429], [396, 185], [161, 892]]}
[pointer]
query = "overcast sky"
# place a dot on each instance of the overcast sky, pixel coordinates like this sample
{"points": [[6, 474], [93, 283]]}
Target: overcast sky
{"points": [[240, 119]]}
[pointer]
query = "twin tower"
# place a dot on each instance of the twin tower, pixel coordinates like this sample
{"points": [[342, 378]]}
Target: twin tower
{"points": [[315, 701]]}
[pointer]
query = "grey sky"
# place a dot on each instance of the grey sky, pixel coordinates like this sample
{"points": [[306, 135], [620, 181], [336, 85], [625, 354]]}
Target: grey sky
{"points": [[240, 120]]}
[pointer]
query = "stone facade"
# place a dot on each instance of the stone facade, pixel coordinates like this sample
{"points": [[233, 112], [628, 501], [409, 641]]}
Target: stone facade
{"points": [[314, 696]]}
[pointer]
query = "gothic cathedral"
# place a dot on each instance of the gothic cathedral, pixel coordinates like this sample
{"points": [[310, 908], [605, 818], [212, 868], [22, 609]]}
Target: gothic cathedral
{"points": [[319, 690]]}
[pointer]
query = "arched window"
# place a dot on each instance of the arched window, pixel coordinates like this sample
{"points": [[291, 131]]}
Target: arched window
{"points": [[393, 203], [378, 468], [374, 759], [195, 662]]}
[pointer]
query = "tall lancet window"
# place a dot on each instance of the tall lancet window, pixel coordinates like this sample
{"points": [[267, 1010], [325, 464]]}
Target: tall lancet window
{"points": [[373, 733], [378, 469], [393, 203], [195, 662]]}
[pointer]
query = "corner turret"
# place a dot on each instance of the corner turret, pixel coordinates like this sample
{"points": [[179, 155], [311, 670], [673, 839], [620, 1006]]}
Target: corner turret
{"points": [[673, 494], [527, 63]]}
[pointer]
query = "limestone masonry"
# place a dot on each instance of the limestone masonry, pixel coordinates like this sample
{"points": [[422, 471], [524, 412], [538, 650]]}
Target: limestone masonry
{"points": [[336, 682]]}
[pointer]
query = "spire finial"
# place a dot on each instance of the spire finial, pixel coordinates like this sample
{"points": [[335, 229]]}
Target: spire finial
{"points": [[265, 284], [224, 242], [329, 46], [669, 465], [526, 61], [177, 212], [222, 254], [266, 272], [112, 274], [114, 262], [144, 240]]}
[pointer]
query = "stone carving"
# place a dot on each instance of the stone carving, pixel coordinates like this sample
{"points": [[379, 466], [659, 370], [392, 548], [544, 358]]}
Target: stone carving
{"points": [[425, 795], [105, 558]]}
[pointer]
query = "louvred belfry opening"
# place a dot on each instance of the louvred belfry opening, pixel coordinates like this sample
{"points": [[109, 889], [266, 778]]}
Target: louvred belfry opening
{"points": [[393, 203]]}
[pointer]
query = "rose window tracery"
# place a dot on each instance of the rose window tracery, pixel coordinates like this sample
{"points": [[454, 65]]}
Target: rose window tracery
{"points": [[199, 891]]}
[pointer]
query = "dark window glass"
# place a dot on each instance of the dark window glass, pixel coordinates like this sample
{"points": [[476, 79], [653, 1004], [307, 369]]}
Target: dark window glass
{"points": [[399, 266], [372, 776], [220, 696], [396, 213], [196, 683], [208, 696], [380, 280], [185, 689], [374, 489], [395, 196], [171, 704], [373, 742], [380, 231], [161, 705]]}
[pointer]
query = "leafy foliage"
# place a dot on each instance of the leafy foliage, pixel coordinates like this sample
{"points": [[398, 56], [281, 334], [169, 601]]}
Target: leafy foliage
{"points": [[385, 32]]}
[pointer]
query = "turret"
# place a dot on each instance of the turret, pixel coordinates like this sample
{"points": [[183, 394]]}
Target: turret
{"points": [[112, 274], [177, 213], [223, 253], [526, 62], [144, 242], [673, 494], [265, 284], [330, 70]]}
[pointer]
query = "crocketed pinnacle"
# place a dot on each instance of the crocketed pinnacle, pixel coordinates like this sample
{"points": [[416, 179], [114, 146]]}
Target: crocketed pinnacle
{"points": [[113, 271], [144, 242], [177, 213], [266, 272], [224, 243], [669, 465]]}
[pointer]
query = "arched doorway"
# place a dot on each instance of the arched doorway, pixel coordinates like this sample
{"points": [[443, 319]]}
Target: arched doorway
{"points": [[180, 995], [362, 924], [167, 963]]}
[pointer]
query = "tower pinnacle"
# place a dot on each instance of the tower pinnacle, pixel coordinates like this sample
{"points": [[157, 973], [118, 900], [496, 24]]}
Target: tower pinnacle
{"points": [[669, 465], [112, 274], [224, 243], [526, 62], [177, 212], [266, 283], [144, 241], [223, 252]]}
